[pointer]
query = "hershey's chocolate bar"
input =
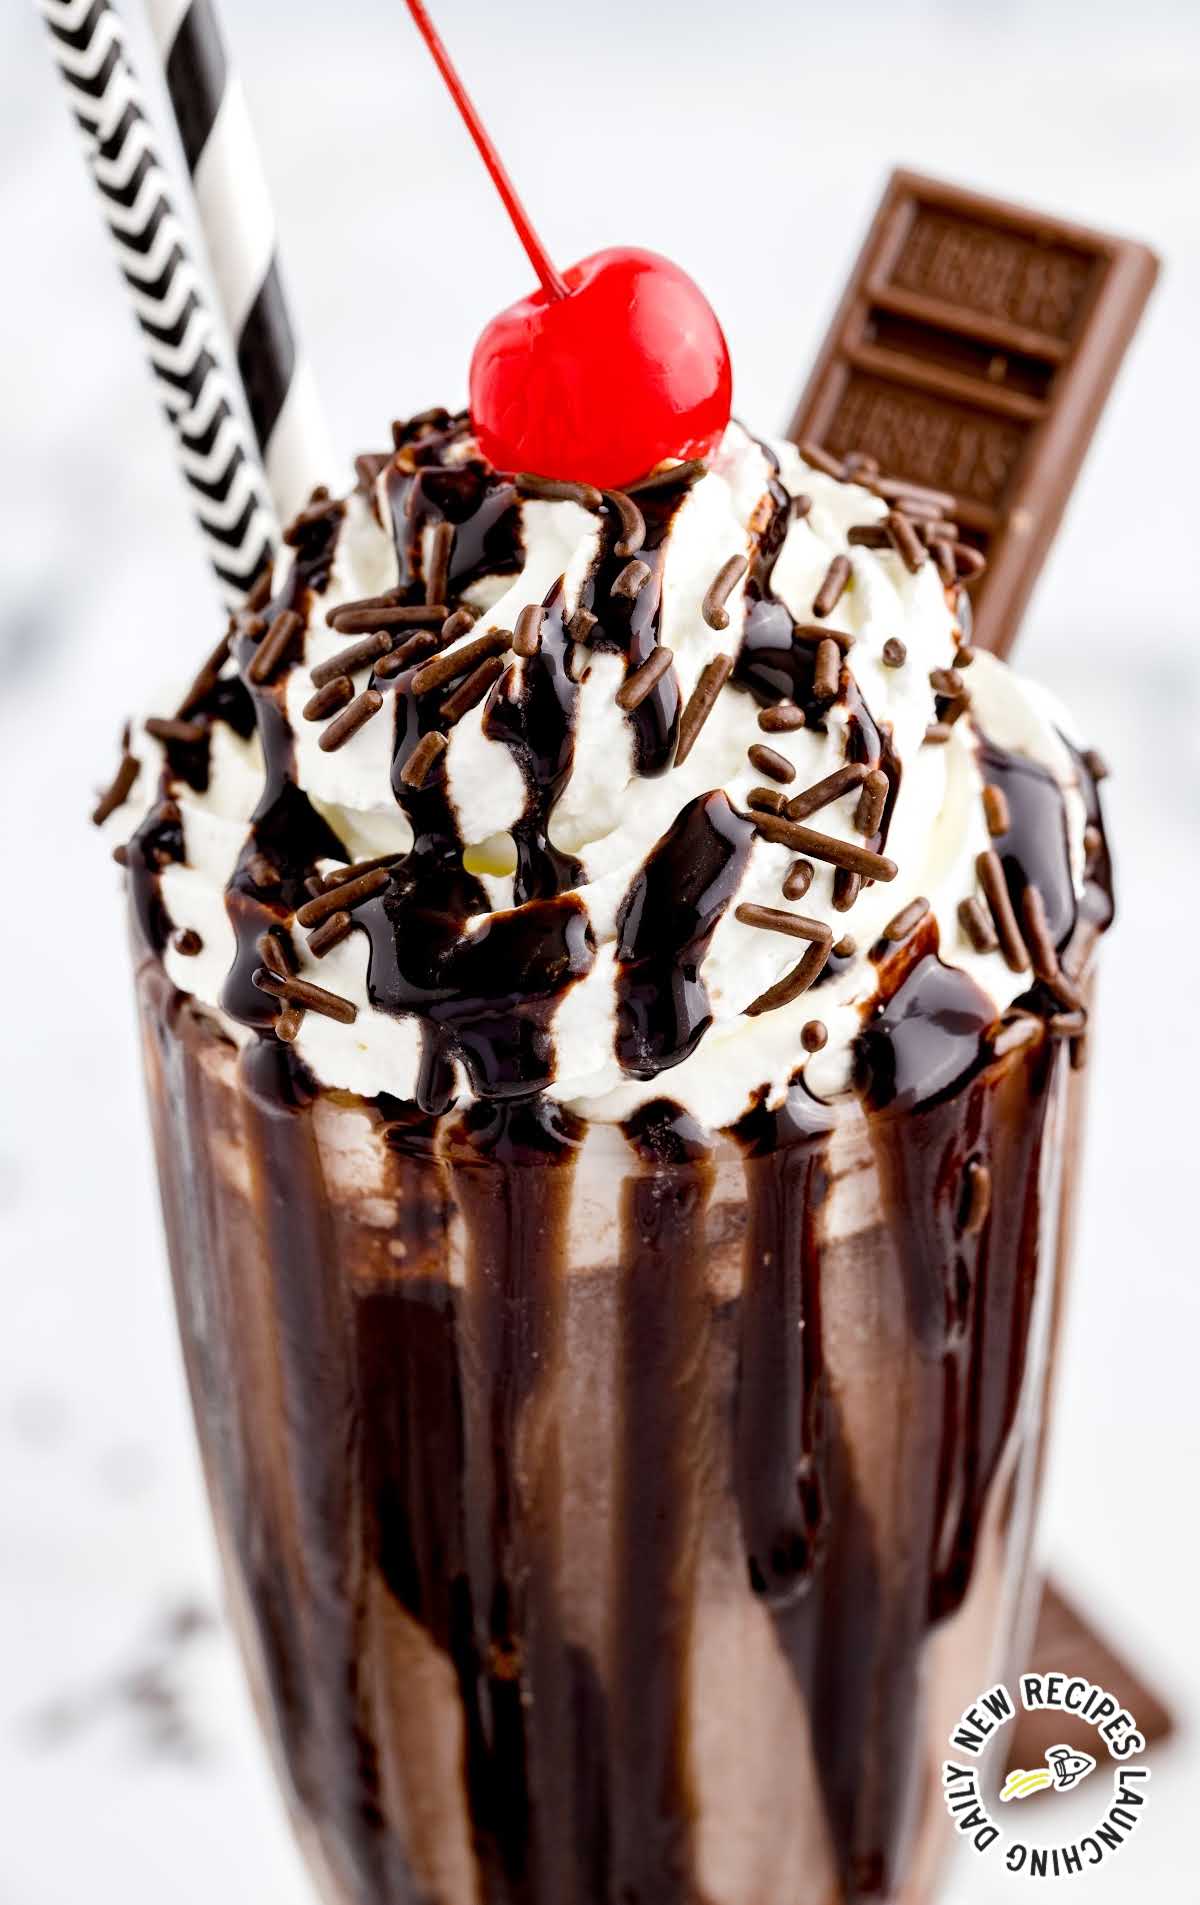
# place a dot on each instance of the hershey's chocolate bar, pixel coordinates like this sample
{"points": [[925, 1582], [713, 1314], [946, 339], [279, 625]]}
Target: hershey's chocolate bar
{"points": [[973, 353], [1066, 1643]]}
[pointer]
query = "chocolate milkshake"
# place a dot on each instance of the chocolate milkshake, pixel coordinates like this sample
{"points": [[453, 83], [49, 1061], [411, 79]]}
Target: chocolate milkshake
{"points": [[613, 969]]}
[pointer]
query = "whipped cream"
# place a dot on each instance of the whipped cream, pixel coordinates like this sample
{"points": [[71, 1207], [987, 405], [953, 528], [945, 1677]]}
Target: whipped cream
{"points": [[609, 814]]}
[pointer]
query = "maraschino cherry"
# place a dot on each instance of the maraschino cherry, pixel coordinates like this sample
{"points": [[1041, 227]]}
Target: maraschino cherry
{"points": [[609, 369]]}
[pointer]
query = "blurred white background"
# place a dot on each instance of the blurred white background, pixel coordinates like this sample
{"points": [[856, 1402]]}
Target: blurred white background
{"points": [[750, 144]]}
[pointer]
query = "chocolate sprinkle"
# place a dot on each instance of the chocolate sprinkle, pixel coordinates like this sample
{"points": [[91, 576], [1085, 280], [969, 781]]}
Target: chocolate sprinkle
{"points": [[329, 698], [188, 943], [631, 580], [527, 637], [460, 661], [868, 815], [978, 924], [375, 612], [806, 632], [458, 624], [908, 545], [814, 1036], [342, 875], [968, 561], [274, 957], [823, 792], [1043, 951], [288, 1023], [1096, 764], [827, 674], [118, 791], [895, 654], [343, 898], [995, 892], [548, 489], [906, 920], [776, 766], [774, 920], [350, 720], [784, 718], [685, 475], [470, 692], [328, 934], [793, 983], [948, 683], [300, 992], [274, 647], [820, 846], [995, 810], [798, 879], [765, 800], [832, 588], [260, 594], [358, 655], [441, 544], [416, 648], [633, 524], [846, 888], [701, 702], [846, 947], [643, 680], [420, 763], [719, 591], [869, 536]]}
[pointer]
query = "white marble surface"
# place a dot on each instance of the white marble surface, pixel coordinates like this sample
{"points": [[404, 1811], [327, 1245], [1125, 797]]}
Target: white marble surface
{"points": [[129, 1769]]}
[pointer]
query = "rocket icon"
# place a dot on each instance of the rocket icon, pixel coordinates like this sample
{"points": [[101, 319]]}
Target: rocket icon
{"points": [[1064, 1768], [1068, 1767]]}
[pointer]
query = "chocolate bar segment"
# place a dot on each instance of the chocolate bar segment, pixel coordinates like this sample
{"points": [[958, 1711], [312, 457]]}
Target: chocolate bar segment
{"points": [[973, 353], [1066, 1642]]}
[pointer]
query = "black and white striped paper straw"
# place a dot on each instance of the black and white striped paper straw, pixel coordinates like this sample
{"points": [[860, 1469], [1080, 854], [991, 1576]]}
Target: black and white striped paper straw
{"points": [[238, 223], [218, 457]]}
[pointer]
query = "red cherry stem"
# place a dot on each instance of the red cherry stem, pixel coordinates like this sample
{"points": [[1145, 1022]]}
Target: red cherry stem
{"points": [[539, 257]]}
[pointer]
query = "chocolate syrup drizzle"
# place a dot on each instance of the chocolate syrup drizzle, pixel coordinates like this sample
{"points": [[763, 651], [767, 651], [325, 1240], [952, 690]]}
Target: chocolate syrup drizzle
{"points": [[1035, 850], [287, 836], [632, 627], [664, 927], [379, 1403]]}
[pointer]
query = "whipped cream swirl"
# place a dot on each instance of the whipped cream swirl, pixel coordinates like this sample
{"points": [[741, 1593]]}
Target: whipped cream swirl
{"points": [[570, 906]]}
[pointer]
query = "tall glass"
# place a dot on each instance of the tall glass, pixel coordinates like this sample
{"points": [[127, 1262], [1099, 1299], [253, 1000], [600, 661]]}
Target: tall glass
{"points": [[613, 1516]]}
